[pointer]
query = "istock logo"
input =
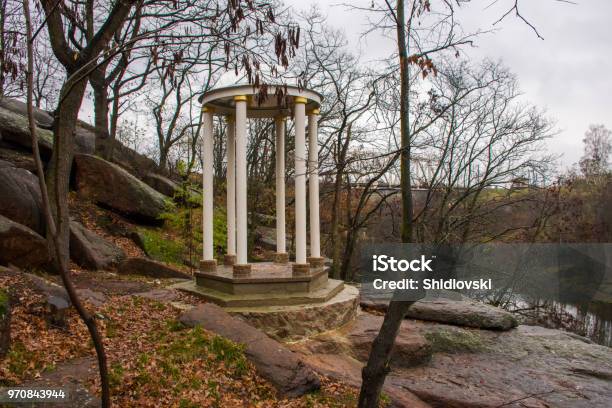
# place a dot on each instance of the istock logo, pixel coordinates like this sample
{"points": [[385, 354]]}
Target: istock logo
{"points": [[384, 263]]}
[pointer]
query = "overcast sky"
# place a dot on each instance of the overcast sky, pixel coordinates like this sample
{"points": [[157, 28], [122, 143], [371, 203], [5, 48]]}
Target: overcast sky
{"points": [[569, 73]]}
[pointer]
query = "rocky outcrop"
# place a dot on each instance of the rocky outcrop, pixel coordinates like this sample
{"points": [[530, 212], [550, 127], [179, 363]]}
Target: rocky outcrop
{"points": [[540, 367], [57, 301], [21, 246], [150, 268], [161, 295], [526, 366], [43, 118], [17, 157], [273, 361], [134, 162], [355, 339], [348, 370], [265, 237], [111, 186], [462, 312], [168, 187], [161, 184], [84, 138], [15, 128], [410, 349], [90, 250], [20, 198]]}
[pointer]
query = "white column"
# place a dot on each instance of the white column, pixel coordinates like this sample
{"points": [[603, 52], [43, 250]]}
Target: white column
{"points": [[241, 180], [279, 123], [207, 184], [313, 183], [231, 187], [300, 180]]}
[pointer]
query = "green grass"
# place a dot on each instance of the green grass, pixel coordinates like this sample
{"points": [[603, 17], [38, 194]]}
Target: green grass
{"points": [[20, 360], [195, 344], [317, 399], [162, 247], [115, 375], [3, 303], [170, 243]]}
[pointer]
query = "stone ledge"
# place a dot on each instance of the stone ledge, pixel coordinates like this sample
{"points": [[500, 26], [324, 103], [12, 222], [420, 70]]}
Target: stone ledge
{"points": [[321, 295]]}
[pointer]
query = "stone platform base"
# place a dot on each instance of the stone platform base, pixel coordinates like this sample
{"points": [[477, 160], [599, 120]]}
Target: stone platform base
{"points": [[288, 317], [322, 294], [263, 278], [292, 323]]}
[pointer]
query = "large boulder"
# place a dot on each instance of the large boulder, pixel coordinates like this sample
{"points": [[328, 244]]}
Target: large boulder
{"points": [[410, 348], [21, 246], [265, 237], [274, 362], [84, 138], [162, 184], [20, 198], [43, 118], [132, 161], [15, 128], [18, 157], [111, 186], [150, 268], [171, 189], [90, 250], [355, 339], [463, 312]]}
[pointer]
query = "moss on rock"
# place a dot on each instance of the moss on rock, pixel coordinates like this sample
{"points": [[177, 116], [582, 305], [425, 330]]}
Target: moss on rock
{"points": [[446, 340]]}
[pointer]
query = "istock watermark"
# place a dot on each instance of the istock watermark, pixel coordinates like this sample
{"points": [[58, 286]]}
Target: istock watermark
{"points": [[496, 272], [383, 263]]}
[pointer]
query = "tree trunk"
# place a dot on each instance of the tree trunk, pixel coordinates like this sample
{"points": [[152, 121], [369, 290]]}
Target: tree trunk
{"points": [[100, 91], [2, 46], [335, 225], [163, 159], [336, 209], [66, 116], [114, 120], [349, 248], [405, 157], [60, 165], [377, 368], [375, 372]]}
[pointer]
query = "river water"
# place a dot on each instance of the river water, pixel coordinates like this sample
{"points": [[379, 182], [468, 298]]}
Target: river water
{"points": [[592, 320]]}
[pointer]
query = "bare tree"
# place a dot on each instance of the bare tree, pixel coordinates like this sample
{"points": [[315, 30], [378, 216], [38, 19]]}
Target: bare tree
{"points": [[421, 35], [12, 54], [348, 92], [47, 78], [597, 149], [486, 140], [417, 43]]}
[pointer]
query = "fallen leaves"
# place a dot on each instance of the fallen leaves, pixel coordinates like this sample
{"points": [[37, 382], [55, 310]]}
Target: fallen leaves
{"points": [[153, 360]]}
